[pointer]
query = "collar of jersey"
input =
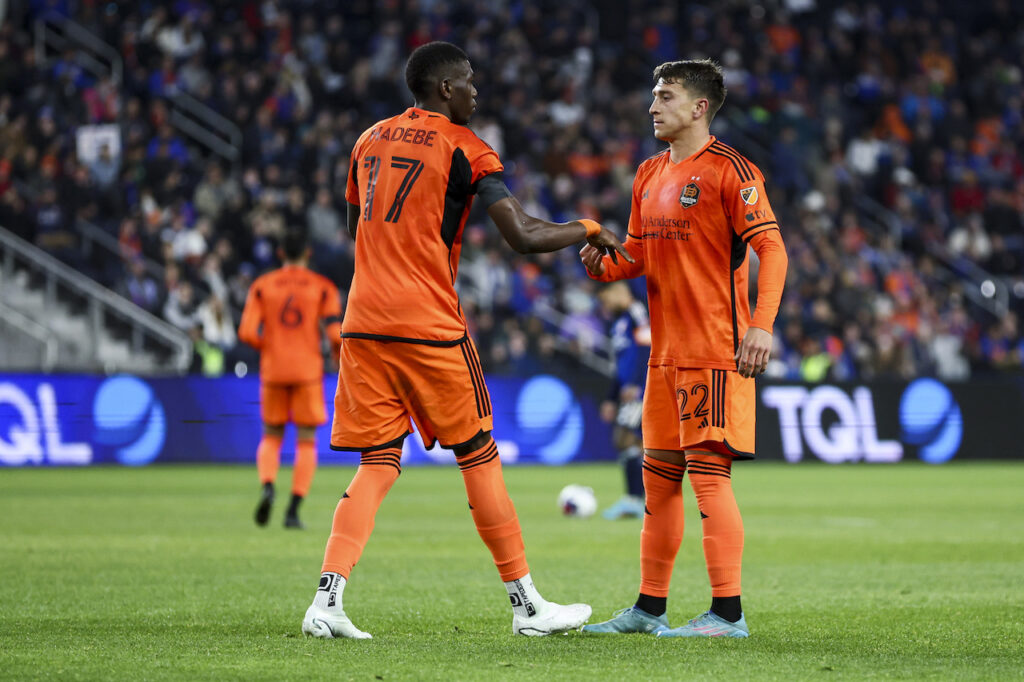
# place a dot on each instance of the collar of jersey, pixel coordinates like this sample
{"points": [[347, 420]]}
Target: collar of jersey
{"points": [[424, 112], [692, 156]]}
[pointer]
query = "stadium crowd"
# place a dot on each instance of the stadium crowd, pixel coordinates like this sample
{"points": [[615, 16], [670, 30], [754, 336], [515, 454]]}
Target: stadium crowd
{"points": [[892, 137]]}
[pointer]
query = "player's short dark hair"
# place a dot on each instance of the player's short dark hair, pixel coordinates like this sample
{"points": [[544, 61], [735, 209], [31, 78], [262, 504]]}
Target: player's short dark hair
{"points": [[701, 77], [294, 243], [427, 64]]}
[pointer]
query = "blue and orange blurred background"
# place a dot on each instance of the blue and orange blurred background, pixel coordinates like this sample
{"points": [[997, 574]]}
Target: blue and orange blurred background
{"points": [[152, 153]]}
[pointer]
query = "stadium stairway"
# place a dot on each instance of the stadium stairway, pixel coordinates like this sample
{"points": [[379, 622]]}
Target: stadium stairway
{"points": [[54, 318]]}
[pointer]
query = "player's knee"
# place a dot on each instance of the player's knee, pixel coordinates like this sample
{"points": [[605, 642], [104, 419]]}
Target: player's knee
{"points": [[274, 430], [670, 456], [306, 432], [475, 443]]}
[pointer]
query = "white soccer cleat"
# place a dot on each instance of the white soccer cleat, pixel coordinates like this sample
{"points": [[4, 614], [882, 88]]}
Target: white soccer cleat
{"points": [[551, 620], [328, 625]]}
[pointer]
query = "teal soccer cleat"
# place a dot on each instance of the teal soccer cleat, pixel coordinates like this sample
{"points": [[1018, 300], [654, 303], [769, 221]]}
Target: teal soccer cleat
{"points": [[630, 619], [708, 624], [628, 507]]}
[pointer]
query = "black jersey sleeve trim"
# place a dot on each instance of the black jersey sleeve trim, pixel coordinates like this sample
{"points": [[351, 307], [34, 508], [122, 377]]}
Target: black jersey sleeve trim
{"points": [[744, 233], [491, 189], [767, 229], [353, 170], [456, 199]]}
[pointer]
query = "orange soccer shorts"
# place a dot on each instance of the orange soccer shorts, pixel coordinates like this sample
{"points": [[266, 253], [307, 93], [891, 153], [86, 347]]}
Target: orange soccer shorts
{"points": [[382, 385], [301, 404], [699, 409]]}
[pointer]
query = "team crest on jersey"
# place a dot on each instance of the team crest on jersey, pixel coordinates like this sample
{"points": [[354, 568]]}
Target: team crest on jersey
{"points": [[749, 195], [690, 195]]}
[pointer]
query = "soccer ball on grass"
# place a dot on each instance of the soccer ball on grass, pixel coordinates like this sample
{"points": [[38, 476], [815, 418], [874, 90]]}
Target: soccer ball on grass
{"points": [[577, 500]]}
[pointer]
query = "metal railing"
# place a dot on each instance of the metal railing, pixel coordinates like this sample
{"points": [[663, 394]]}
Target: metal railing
{"points": [[94, 55], [37, 334], [192, 118], [996, 301], [603, 363], [100, 301], [207, 128], [94, 236]]}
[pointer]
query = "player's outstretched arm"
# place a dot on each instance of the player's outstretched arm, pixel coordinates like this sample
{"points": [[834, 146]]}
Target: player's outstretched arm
{"points": [[527, 234]]}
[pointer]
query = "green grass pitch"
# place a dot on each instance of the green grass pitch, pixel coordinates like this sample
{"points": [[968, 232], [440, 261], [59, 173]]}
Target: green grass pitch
{"points": [[898, 572]]}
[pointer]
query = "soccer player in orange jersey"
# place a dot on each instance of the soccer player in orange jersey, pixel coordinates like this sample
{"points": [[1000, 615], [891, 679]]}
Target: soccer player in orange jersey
{"points": [[406, 355], [290, 303], [697, 206]]}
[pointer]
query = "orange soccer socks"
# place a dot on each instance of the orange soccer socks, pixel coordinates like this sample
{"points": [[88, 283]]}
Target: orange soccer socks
{"points": [[492, 509], [662, 532], [711, 478], [302, 478], [353, 517], [305, 466], [268, 458]]}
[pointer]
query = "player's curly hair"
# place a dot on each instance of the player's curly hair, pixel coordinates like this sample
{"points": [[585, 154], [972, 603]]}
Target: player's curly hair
{"points": [[427, 64], [701, 77]]}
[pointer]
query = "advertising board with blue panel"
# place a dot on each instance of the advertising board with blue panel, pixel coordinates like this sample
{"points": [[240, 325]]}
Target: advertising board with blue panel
{"points": [[81, 420], [922, 420]]}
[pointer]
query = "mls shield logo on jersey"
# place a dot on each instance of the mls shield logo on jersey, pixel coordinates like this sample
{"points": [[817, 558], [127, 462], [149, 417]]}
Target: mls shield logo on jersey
{"points": [[689, 196], [749, 195]]}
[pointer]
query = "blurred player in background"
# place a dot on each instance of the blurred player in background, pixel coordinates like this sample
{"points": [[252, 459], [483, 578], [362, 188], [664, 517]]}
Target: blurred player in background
{"points": [[406, 354], [697, 206], [631, 342], [290, 303]]}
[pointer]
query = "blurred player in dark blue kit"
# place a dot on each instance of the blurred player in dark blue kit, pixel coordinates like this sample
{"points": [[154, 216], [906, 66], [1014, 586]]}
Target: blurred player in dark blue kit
{"points": [[631, 343]]}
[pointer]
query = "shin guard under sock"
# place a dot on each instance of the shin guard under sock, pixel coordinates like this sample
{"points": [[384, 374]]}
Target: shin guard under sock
{"points": [[711, 478], [353, 517], [268, 458], [492, 509], [305, 466], [663, 525]]}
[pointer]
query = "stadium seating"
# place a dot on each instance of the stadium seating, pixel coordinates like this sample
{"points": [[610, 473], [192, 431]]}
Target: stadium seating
{"points": [[898, 180]]}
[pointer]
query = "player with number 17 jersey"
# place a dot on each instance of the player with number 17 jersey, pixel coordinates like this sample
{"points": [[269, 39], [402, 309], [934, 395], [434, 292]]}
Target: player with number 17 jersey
{"points": [[414, 177]]}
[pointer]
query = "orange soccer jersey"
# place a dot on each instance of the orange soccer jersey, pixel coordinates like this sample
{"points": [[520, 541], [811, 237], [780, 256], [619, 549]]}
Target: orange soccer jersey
{"points": [[689, 229], [413, 176], [290, 303]]}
